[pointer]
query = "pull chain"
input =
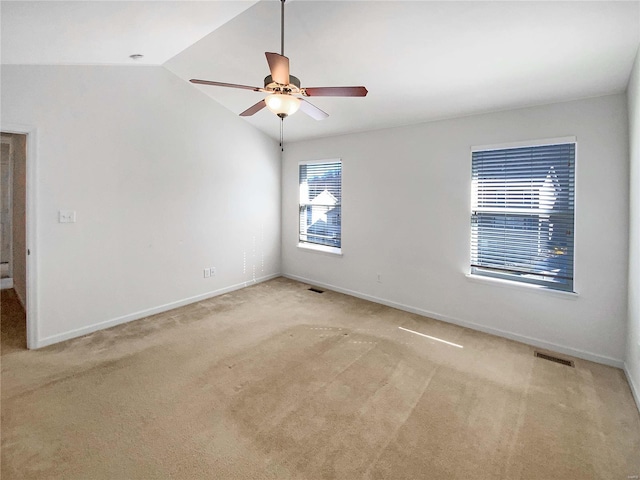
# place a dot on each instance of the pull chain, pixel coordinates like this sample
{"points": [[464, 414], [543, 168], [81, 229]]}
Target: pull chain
{"points": [[282, 134], [282, 53]]}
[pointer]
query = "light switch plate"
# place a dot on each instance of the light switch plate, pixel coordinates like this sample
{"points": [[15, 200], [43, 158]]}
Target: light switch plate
{"points": [[67, 216]]}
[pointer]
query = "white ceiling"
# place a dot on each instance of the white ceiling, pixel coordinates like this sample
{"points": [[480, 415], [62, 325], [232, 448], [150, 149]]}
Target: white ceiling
{"points": [[107, 32], [420, 60]]}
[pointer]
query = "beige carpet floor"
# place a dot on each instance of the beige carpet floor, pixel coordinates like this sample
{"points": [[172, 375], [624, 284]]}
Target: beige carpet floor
{"points": [[278, 382]]}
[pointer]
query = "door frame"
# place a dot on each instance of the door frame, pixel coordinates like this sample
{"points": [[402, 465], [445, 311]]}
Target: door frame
{"points": [[31, 228]]}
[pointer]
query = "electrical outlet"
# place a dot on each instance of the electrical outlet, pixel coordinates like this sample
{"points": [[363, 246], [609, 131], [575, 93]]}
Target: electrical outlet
{"points": [[207, 272], [379, 277], [67, 216], [213, 271]]}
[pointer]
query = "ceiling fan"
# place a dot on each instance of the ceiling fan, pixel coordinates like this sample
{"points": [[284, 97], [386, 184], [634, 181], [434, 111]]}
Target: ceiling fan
{"points": [[284, 89]]}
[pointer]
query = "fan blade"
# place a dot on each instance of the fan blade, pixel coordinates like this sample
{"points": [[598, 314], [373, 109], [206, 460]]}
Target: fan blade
{"points": [[254, 109], [334, 92], [311, 110], [279, 66], [221, 84]]}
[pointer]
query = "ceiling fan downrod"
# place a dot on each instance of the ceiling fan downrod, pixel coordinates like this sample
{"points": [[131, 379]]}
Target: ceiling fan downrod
{"points": [[282, 27]]}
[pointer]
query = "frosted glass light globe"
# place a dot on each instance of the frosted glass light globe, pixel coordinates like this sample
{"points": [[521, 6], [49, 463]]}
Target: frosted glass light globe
{"points": [[282, 105]]}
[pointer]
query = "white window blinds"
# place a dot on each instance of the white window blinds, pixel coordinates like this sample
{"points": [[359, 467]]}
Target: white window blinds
{"points": [[522, 219], [321, 203]]}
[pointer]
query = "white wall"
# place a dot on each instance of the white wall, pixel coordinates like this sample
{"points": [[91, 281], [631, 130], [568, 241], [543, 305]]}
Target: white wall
{"points": [[406, 215], [164, 181], [19, 259], [632, 359]]}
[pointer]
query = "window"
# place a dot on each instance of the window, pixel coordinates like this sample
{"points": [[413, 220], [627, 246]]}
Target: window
{"points": [[523, 214], [321, 204]]}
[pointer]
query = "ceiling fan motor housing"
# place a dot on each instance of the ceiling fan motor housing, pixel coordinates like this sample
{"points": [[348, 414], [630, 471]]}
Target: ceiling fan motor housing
{"points": [[293, 87]]}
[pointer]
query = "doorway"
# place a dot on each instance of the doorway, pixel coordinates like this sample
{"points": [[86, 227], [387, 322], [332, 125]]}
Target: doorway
{"points": [[6, 209], [13, 236]]}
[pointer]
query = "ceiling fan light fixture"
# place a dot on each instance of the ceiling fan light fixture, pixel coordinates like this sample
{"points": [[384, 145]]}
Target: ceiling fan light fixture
{"points": [[282, 105]]}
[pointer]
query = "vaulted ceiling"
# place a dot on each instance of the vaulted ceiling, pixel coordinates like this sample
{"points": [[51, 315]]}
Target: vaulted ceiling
{"points": [[420, 60]]}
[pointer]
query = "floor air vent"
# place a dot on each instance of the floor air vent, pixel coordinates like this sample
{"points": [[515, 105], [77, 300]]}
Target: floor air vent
{"points": [[551, 358], [317, 290]]}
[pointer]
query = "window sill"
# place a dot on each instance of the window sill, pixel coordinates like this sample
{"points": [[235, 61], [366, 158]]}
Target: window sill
{"points": [[522, 286], [320, 248]]}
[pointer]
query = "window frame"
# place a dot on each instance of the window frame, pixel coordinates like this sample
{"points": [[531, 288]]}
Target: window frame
{"points": [[515, 279], [317, 247]]}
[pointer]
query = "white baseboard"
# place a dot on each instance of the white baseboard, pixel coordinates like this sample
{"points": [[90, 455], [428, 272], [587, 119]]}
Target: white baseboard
{"points": [[473, 326], [61, 337], [6, 283], [635, 390]]}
